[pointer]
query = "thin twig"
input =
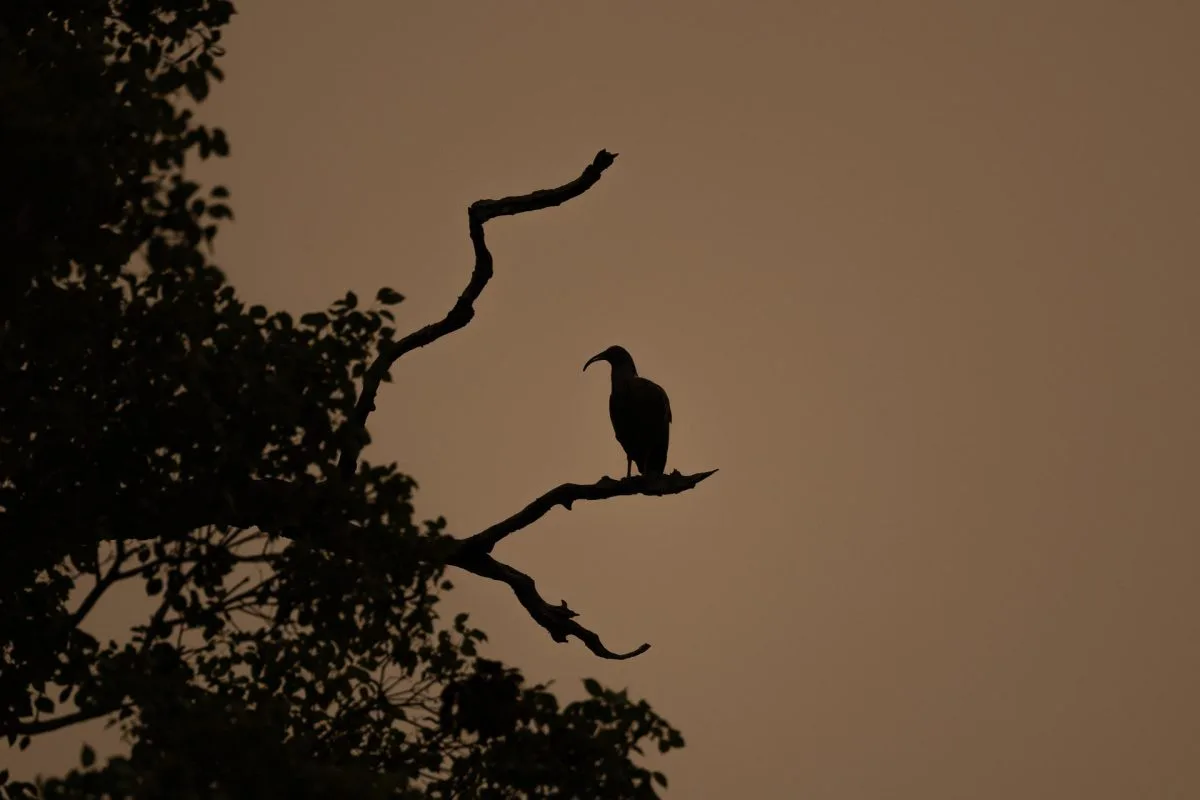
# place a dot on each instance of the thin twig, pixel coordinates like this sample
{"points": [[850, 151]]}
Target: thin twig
{"points": [[103, 582]]}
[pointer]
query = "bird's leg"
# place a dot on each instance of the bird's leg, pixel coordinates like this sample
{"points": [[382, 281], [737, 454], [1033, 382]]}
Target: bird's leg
{"points": [[628, 467]]}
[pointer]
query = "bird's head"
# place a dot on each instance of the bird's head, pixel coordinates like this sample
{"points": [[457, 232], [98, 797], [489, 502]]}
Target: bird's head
{"points": [[618, 357]]}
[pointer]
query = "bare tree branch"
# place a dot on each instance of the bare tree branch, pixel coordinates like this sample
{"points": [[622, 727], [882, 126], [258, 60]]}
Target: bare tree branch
{"points": [[566, 494], [464, 309], [474, 552]]}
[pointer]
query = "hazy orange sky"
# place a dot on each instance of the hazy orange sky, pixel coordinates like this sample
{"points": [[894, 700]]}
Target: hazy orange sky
{"points": [[920, 279]]}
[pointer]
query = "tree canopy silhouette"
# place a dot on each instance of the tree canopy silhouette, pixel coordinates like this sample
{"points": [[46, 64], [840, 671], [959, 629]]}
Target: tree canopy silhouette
{"points": [[155, 430]]}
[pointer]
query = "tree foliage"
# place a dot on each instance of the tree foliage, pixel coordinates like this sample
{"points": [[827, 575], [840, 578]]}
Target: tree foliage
{"points": [[156, 431]]}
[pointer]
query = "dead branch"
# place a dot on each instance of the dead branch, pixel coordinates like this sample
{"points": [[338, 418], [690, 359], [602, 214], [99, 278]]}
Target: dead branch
{"points": [[464, 309], [474, 552], [566, 494]]}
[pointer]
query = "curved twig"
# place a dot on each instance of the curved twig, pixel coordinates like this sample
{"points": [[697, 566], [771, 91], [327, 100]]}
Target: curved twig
{"points": [[558, 620]]}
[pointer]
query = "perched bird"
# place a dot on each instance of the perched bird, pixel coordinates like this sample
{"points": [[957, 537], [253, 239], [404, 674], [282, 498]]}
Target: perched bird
{"points": [[640, 413]]}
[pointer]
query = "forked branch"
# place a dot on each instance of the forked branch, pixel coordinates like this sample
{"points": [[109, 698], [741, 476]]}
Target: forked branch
{"points": [[474, 552]]}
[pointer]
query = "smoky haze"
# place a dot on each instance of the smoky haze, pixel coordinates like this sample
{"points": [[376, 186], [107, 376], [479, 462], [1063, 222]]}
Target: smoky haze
{"points": [[920, 279]]}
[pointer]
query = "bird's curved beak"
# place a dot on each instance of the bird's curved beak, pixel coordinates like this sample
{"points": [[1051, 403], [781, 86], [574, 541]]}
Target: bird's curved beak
{"points": [[592, 360]]}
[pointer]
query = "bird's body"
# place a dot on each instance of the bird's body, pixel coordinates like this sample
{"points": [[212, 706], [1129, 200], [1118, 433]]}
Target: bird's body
{"points": [[640, 412]]}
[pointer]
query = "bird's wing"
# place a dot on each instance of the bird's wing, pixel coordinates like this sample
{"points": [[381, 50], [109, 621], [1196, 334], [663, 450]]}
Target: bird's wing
{"points": [[623, 410], [653, 401], [657, 426], [641, 417]]}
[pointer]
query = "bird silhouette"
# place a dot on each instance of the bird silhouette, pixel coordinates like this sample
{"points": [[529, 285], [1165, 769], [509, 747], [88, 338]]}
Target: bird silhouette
{"points": [[640, 412]]}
